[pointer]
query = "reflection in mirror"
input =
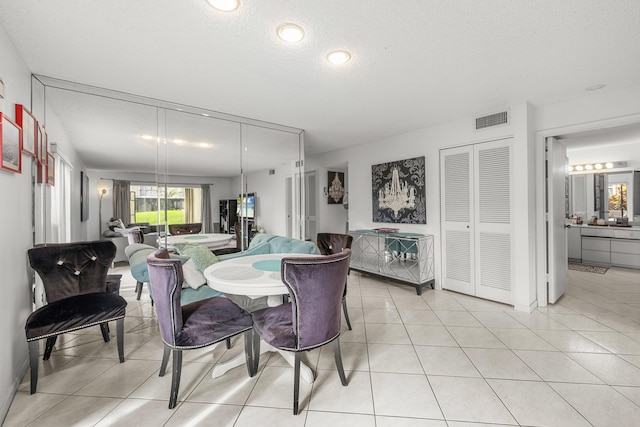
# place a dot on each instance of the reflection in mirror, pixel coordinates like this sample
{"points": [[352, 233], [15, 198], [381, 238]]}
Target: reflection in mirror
{"points": [[608, 196], [179, 158]]}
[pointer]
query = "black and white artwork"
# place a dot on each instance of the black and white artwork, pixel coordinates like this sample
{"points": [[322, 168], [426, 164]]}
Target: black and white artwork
{"points": [[398, 191], [335, 191]]}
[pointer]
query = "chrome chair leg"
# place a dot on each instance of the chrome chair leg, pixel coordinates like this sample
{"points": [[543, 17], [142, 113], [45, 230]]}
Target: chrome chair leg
{"points": [[138, 290]]}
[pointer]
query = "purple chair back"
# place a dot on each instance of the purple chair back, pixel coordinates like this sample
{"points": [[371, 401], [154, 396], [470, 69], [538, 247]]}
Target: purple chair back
{"points": [[316, 285], [330, 243], [191, 228], [69, 269], [165, 278], [135, 236]]}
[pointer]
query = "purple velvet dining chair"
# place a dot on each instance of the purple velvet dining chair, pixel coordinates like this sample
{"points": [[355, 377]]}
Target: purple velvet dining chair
{"points": [[195, 325], [312, 317], [332, 243], [74, 276]]}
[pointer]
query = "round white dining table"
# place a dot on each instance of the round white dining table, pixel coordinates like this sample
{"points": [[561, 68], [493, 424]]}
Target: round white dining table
{"points": [[254, 276], [210, 240]]}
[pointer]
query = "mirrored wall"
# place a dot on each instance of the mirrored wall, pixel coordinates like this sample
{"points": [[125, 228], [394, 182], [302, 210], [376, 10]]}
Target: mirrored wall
{"points": [[246, 171]]}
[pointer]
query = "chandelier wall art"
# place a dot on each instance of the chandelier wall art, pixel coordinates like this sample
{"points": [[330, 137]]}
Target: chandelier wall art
{"points": [[335, 190], [399, 191]]}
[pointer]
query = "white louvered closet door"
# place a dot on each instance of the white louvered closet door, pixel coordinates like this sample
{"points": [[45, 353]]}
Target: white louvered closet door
{"points": [[494, 224], [476, 213], [456, 213]]}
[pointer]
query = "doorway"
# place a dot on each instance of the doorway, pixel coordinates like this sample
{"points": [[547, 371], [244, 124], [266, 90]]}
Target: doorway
{"points": [[612, 134]]}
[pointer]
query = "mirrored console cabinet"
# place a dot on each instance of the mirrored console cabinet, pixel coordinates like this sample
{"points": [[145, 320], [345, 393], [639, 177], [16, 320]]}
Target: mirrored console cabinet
{"points": [[407, 257]]}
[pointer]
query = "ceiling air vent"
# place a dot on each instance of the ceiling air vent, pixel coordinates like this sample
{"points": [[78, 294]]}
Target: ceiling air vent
{"points": [[496, 119]]}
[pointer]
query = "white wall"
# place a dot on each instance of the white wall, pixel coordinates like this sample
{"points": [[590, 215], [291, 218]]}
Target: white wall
{"points": [[331, 218], [270, 191], [15, 215], [428, 142]]}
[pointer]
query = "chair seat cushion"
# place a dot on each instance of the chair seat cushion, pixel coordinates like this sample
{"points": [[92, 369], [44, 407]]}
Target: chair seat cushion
{"points": [[72, 313], [211, 320], [275, 326]]}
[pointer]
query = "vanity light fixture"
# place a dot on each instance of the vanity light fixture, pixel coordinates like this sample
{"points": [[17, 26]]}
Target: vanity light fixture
{"points": [[595, 167], [224, 5], [291, 33], [338, 57]]}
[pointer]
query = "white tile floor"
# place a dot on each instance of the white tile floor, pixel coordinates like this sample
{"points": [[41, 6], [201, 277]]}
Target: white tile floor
{"points": [[442, 359]]}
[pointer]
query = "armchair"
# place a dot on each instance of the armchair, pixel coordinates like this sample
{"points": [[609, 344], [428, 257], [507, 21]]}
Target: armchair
{"points": [[74, 276]]}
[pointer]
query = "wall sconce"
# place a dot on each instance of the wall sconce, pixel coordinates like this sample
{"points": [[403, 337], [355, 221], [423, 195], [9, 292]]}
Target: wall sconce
{"points": [[595, 167]]}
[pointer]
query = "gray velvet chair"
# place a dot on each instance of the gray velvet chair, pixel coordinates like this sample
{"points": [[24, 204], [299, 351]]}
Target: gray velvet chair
{"points": [[312, 316], [196, 325], [74, 276], [331, 243]]}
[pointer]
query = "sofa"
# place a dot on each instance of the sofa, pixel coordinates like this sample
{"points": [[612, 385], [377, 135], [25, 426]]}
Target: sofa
{"points": [[137, 254], [263, 243]]}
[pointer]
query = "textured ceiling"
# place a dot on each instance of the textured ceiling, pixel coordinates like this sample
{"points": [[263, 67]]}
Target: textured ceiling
{"points": [[415, 62]]}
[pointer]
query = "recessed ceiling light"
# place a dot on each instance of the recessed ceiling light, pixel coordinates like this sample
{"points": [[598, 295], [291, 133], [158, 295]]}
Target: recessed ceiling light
{"points": [[338, 57], [204, 145], [224, 5], [146, 137], [595, 87], [291, 33], [205, 114], [178, 141]]}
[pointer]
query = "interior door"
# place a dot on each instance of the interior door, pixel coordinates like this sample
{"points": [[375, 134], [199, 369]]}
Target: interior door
{"points": [[456, 194], [288, 190], [493, 215], [556, 191]]}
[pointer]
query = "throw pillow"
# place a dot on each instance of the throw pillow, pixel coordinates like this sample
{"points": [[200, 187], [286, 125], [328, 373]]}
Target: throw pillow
{"points": [[201, 255], [192, 276]]}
